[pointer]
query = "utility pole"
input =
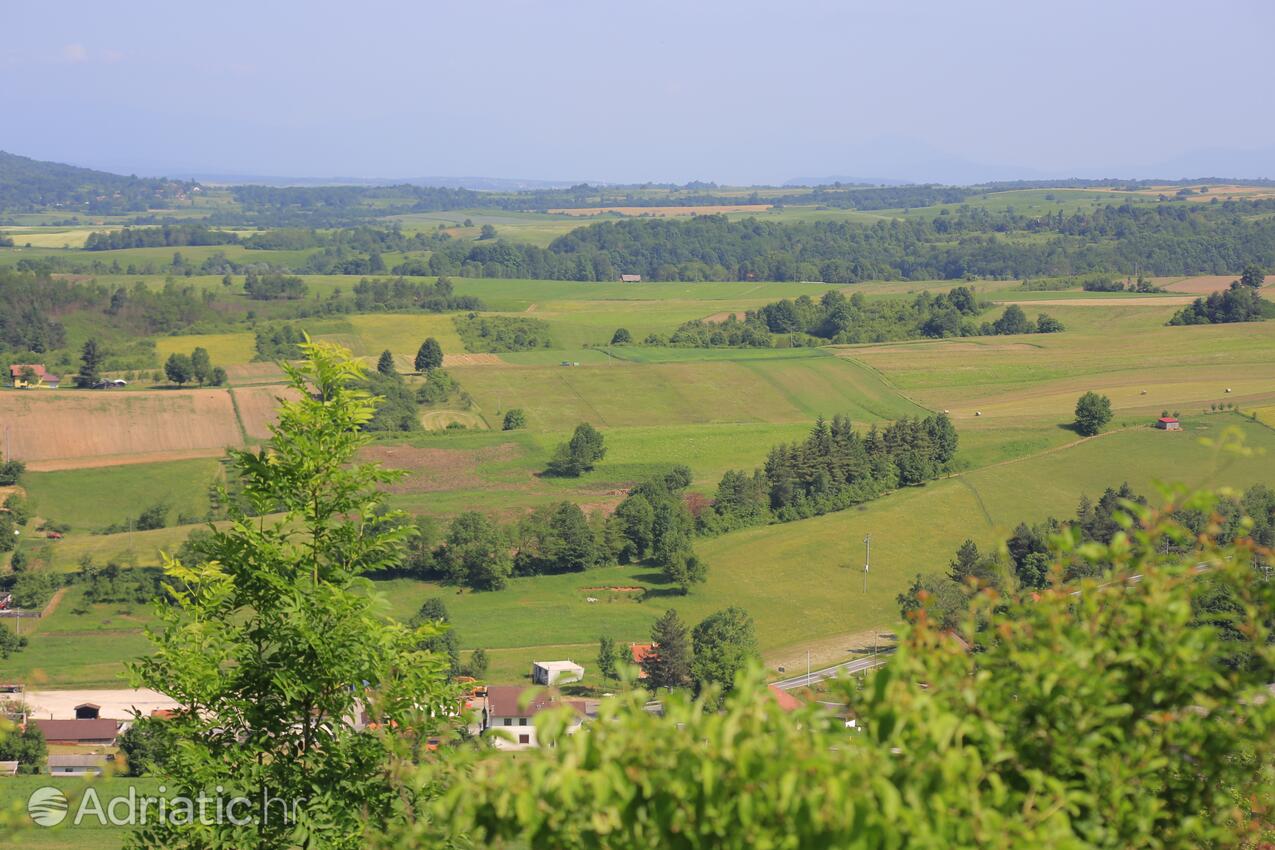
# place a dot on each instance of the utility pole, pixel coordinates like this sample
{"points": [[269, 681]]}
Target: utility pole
{"points": [[807, 668], [867, 559]]}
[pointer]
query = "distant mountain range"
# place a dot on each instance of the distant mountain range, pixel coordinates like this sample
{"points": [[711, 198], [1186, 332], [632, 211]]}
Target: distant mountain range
{"points": [[478, 184], [29, 184]]}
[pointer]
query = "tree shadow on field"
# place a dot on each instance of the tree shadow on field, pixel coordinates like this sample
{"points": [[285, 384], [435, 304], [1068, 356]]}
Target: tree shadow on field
{"points": [[1069, 427], [664, 587]]}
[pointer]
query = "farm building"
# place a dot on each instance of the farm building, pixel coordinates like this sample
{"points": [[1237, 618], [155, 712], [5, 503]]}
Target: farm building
{"points": [[1168, 423], [630, 278], [556, 672], [25, 375], [507, 710], [77, 765], [99, 731]]}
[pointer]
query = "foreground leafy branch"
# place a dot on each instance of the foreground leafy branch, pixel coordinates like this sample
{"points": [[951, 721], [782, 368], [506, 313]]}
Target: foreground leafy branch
{"points": [[1101, 714], [275, 645]]}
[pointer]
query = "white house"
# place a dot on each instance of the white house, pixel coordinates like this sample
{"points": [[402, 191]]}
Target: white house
{"points": [[556, 672], [510, 712], [77, 765]]}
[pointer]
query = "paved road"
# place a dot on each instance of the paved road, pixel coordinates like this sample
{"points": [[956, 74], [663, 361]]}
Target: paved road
{"points": [[856, 666], [861, 664]]}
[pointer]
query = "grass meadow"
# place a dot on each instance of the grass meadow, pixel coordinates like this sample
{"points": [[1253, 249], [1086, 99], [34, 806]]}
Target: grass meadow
{"points": [[1010, 397]]}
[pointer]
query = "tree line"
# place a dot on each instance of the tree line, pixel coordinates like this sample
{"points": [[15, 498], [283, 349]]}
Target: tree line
{"points": [[832, 469], [167, 236], [836, 319], [1162, 240]]}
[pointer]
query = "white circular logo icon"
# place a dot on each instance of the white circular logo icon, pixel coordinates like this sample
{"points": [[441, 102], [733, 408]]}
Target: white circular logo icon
{"points": [[47, 806]]}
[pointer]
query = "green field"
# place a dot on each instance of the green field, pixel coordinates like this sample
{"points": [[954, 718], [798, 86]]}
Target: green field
{"points": [[716, 409], [92, 498], [90, 833]]}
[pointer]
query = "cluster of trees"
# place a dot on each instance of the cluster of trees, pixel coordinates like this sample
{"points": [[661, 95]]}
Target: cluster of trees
{"points": [[579, 454], [709, 656], [397, 410], [833, 468], [25, 746], [151, 518], [840, 320], [196, 366], [167, 236], [1238, 303], [445, 641], [502, 333], [654, 525], [279, 342], [402, 294], [273, 285], [113, 583]]}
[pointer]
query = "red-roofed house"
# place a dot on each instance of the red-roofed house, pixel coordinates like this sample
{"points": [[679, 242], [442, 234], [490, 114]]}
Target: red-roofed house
{"points": [[511, 710], [639, 652], [786, 701], [1168, 423], [26, 375]]}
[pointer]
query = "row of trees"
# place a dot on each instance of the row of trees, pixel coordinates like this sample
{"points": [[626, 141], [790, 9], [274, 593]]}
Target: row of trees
{"points": [[167, 236], [652, 525], [196, 366], [502, 333], [833, 468], [840, 320]]}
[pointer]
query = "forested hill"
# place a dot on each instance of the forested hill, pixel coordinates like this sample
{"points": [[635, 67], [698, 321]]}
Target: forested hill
{"points": [[1161, 240], [32, 184]]}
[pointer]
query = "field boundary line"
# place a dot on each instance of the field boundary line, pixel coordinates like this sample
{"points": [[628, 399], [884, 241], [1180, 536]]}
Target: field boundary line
{"points": [[234, 404], [1043, 453], [575, 392], [978, 497], [885, 380]]}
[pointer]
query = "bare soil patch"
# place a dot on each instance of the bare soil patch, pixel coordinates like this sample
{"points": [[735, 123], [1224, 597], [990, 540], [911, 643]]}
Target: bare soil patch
{"points": [[259, 408], [472, 360], [1144, 301], [718, 318], [430, 470], [254, 373], [1202, 285], [664, 212], [99, 461]]}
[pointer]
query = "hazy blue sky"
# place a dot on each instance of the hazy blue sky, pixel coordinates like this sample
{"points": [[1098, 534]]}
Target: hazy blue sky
{"points": [[727, 90]]}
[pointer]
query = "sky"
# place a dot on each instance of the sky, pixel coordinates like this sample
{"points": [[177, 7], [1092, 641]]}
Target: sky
{"points": [[732, 91]]}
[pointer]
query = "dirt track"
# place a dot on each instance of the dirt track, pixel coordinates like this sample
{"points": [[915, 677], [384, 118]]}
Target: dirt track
{"points": [[1139, 301]]}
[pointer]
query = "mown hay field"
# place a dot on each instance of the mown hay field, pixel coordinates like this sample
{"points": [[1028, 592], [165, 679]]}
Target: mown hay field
{"points": [[103, 427]]}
